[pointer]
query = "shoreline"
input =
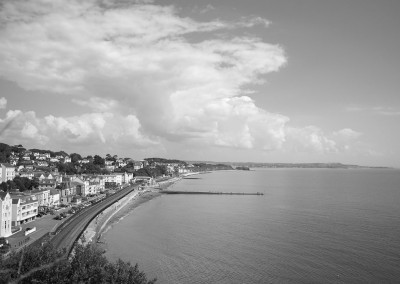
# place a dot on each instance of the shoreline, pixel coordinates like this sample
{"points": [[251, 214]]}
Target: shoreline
{"points": [[106, 219]]}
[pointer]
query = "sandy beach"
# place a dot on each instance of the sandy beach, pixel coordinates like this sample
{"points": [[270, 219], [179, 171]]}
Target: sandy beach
{"points": [[105, 220]]}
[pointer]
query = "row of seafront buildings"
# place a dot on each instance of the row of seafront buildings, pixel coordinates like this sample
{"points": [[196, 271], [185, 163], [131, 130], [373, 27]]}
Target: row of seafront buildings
{"points": [[54, 190]]}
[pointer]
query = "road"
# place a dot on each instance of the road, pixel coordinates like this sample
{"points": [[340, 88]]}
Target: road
{"points": [[73, 227]]}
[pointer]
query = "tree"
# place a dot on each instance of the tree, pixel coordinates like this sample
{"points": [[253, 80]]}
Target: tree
{"points": [[44, 264], [19, 184], [4, 186], [91, 169], [98, 160], [11, 185], [75, 157], [24, 183], [67, 168]]}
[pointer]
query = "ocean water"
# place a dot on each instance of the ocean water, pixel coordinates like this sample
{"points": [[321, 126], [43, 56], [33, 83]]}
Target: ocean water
{"points": [[310, 226]]}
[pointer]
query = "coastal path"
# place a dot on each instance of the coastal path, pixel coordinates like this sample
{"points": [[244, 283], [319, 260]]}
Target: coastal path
{"points": [[67, 234]]}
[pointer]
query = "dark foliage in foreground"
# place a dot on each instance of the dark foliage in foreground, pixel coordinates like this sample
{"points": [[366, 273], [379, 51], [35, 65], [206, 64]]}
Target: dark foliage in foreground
{"points": [[87, 265]]}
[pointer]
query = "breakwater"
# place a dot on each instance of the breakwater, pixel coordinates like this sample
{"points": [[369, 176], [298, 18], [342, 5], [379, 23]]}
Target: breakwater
{"points": [[211, 192]]}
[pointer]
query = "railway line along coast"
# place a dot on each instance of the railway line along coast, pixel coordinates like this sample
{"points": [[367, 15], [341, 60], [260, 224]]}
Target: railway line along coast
{"points": [[69, 232]]}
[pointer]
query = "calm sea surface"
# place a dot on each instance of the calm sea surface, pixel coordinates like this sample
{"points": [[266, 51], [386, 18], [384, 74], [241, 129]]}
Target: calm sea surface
{"points": [[311, 226]]}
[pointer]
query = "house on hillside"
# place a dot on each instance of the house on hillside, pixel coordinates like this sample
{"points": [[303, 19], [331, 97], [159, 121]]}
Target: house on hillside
{"points": [[66, 159], [27, 174], [84, 161], [137, 165], [121, 163], [40, 175], [47, 183], [13, 161], [42, 163], [26, 158], [110, 168], [7, 172]]}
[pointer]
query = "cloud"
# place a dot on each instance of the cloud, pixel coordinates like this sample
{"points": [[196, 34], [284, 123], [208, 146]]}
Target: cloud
{"points": [[309, 139], [347, 134], [312, 139], [97, 104], [377, 110], [3, 103], [136, 60], [145, 75], [92, 129], [206, 9]]}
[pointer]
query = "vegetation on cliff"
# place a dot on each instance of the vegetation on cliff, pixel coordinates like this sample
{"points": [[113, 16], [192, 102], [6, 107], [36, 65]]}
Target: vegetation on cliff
{"points": [[44, 264]]}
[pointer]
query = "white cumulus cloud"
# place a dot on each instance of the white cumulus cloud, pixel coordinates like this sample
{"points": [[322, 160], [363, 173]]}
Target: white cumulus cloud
{"points": [[3, 103], [144, 75]]}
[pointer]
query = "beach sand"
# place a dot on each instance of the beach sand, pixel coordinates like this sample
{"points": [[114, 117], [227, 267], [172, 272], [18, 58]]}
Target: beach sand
{"points": [[105, 220]]}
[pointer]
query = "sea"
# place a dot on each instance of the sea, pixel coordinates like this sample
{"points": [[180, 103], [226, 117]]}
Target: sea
{"points": [[310, 226]]}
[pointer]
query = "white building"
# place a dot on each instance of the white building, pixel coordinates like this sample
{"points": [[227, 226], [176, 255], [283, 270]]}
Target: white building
{"points": [[5, 214], [24, 209], [113, 179], [7, 172], [42, 196], [67, 160], [54, 198]]}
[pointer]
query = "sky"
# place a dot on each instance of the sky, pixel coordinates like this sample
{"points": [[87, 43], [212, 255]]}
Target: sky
{"points": [[230, 81]]}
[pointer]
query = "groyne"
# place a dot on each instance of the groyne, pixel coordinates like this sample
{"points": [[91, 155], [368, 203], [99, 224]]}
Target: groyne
{"points": [[210, 192]]}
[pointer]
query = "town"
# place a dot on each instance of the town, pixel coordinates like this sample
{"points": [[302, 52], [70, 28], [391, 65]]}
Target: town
{"points": [[36, 183]]}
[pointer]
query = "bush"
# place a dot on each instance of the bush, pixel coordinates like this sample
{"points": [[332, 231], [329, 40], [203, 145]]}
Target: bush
{"points": [[87, 264]]}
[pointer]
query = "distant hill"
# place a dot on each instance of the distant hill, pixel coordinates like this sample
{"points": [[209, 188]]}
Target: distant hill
{"points": [[291, 165]]}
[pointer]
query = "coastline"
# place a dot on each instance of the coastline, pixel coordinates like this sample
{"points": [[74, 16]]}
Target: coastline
{"points": [[105, 220]]}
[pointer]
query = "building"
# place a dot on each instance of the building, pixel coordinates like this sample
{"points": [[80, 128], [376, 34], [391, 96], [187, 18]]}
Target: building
{"points": [[82, 186], [110, 168], [112, 180], [42, 196], [54, 198], [24, 208], [67, 160], [121, 163], [144, 180], [108, 162], [67, 188], [47, 183], [27, 174], [127, 177], [67, 191], [42, 163], [137, 165], [7, 172], [5, 214]]}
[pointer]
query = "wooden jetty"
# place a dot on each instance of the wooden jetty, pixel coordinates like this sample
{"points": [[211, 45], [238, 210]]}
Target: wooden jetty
{"points": [[210, 192]]}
